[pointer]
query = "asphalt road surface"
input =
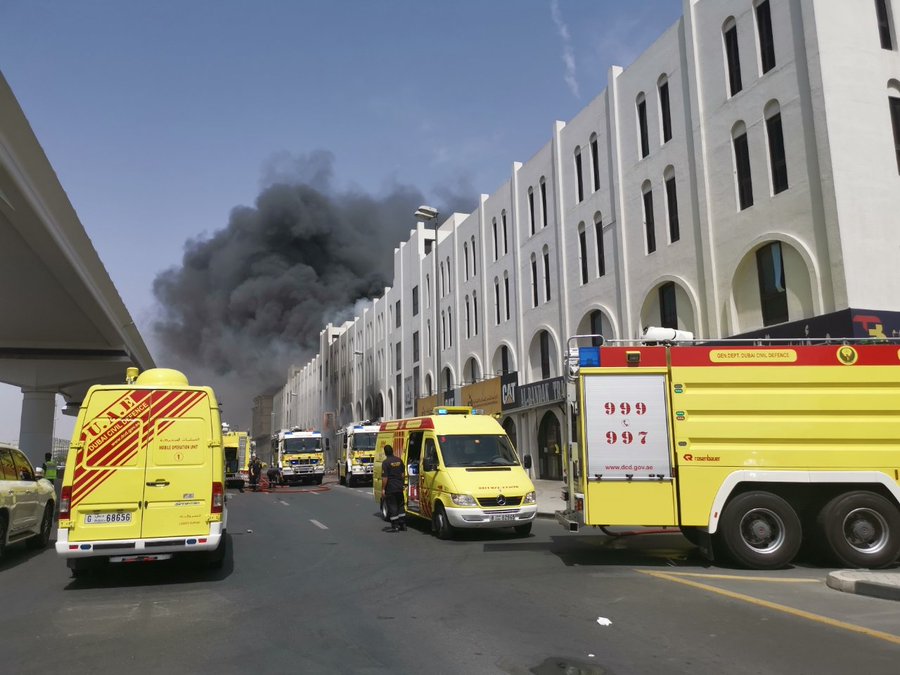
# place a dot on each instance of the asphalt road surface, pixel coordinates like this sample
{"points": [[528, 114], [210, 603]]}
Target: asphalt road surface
{"points": [[313, 585]]}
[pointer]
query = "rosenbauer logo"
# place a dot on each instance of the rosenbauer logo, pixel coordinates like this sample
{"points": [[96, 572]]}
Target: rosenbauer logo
{"points": [[688, 457]]}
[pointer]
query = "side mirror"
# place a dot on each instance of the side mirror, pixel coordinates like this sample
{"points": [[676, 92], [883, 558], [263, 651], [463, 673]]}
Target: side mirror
{"points": [[430, 465], [527, 462]]}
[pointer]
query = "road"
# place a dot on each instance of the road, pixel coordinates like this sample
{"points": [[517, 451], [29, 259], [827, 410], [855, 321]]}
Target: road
{"points": [[313, 585]]}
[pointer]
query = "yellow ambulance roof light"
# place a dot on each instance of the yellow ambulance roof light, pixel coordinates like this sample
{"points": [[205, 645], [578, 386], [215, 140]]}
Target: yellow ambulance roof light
{"points": [[131, 374], [162, 377], [453, 410]]}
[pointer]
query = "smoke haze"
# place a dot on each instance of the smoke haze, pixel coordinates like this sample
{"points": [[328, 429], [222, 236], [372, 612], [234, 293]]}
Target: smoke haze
{"points": [[250, 300]]}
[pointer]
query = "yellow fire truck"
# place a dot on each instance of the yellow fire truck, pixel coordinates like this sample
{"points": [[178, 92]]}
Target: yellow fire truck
{"points": [[356, 446], [299, 455], [236, 445], [751, 450]]}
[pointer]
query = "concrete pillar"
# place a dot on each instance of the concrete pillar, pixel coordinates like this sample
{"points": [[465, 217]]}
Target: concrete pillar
{"points": [[36, 429]]}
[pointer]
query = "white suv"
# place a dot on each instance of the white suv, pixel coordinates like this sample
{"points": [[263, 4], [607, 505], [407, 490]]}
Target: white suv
{"points": [[27, 503]]}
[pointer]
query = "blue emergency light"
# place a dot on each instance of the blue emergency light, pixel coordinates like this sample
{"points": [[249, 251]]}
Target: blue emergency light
{"points": [[589, 357]]}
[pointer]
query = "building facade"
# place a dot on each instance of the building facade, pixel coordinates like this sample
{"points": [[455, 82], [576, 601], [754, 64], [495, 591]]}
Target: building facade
{"points": [[741, 177]]}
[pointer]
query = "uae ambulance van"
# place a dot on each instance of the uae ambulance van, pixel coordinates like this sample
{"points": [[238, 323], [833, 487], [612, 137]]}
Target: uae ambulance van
{"points": [[461, 472], [145, 475]]}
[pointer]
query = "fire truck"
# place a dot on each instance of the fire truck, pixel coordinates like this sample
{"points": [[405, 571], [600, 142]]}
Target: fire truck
{"points": [[299, 455], [750, 449], [357, 451], [236, 445]]}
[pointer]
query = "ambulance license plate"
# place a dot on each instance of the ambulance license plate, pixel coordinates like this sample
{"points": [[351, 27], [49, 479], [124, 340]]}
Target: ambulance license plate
{"points": [[106, 518], [504, 516]]}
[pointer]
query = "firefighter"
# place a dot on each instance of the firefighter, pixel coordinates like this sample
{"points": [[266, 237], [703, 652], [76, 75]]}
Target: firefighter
{"points": [[255, 472], [392, 489], [49, 467], [272, 475]]}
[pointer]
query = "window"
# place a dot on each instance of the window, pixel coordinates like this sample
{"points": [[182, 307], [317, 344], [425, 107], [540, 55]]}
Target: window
{"points": [[505, 238], [466, 258], [595, 161], [545, 355], [732, 58], [449, 286], [475, 310], [468, 319], [428, 291], [742, 168], [665, 112], [668, 315], [672, 207], [579, 187], [415, 346], [596, 327], [534, 282], [582, 253], [543, 202], [398, 360], [882, 12], [397, 315], [474, 258], [506, 294], [496, 302], [546, 275], [428, 336], [772, 289], [895, 122], [415, 300], [642, 125], [449, 327], [777, 160], [531, 209], [598, 234], [649, 224], [766, 41], [504, 359], [443, 283], [494, 232], [443, 330]]}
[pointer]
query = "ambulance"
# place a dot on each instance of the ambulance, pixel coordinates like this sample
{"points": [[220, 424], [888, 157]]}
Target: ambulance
{"points": [[462, 472], [750, 449], [356, 446], [145, 475], [236, 445]]}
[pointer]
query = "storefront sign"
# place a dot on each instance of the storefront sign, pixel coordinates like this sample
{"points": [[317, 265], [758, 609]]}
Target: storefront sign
{"points": [[541, 393]]}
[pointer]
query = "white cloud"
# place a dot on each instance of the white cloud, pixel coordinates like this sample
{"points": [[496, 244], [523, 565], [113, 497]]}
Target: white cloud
{"points": [[568, 52]]}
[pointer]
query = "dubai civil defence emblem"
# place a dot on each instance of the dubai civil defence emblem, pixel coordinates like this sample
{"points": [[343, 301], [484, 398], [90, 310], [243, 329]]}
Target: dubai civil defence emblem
{"points": [[847, 355]]}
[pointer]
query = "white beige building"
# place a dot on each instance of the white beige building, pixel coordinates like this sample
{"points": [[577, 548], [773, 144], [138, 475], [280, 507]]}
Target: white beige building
{"points": [[742, 176]]}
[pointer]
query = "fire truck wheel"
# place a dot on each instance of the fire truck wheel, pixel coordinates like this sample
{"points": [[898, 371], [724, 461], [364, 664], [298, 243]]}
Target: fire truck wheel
{"points": [[350, 481], [341, 478], [860, 529], [760, 530], [440, 524]]}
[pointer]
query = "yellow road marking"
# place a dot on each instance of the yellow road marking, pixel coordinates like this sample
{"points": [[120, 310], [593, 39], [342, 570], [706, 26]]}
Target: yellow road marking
{"points": [[797, 580], [887, 637]]}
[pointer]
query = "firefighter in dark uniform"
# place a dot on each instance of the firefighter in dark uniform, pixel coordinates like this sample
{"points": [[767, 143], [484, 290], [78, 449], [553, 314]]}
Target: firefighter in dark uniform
{"points": [[392, 490]]}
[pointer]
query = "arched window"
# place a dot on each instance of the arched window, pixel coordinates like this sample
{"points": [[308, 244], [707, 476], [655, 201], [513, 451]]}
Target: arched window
{"points": [[474, 258], [665, 111], [579, 183], [466, 259], [582, 253], [672, 204], [649, 222], [534, 281], [598, 237], [546, 256], [496, 301], [468, 319], [775, 138], [772, 287], [894, 105], [494, 232], [544, 212], [643, 136], [505, 234], [595, 161], [744, 182], [732, 56], [531, 209], [475, 311]]}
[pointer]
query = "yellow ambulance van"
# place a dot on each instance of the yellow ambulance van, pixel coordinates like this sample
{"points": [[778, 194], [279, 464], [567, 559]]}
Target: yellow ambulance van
{"points": [[145, 475], [462, 472]]}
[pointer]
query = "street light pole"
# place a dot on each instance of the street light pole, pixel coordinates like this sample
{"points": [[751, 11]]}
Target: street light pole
{"points": [[426, 214]]}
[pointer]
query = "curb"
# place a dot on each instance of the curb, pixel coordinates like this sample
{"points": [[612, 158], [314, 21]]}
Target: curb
{"points": [[862, 583]]}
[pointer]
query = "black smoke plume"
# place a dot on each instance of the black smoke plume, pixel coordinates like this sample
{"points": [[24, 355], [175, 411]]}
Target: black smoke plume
{"points": [[250, 300]]}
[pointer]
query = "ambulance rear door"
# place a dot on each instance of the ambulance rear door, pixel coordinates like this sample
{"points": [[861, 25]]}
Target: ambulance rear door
{"points": [[108, 476], [179, 473]]}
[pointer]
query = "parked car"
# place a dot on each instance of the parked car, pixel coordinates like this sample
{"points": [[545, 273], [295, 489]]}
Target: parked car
{"points": [[27, 503]]}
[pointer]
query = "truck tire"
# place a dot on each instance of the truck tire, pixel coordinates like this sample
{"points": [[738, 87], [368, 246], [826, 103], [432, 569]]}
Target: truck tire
{"points": [[440, 523], [860, 529], [760, 530], [42, 538], [319, 480], [523, 530]]}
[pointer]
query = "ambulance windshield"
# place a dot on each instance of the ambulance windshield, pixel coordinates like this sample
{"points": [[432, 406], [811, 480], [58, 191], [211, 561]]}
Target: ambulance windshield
{"points": [[477, 450], [365, 441], [292, 445]]}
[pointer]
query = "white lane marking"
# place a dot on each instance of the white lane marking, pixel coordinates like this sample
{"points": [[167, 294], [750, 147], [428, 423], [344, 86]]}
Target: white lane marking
{"points": [[314, 492], [283, 502], [318, 524]]}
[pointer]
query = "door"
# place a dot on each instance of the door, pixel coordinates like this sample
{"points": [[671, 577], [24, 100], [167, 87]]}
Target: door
{"points": [[108, 476], [26, 492], [413, 466], [429, 477], [13, 497], [550, 448], [179, 470]]}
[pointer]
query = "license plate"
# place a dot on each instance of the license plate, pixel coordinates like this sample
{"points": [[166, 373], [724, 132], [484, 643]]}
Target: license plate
{"points": [[504, 516], [106, 518]]}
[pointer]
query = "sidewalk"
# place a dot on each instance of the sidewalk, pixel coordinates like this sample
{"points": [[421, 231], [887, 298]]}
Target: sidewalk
{"points": [[878, 583]]}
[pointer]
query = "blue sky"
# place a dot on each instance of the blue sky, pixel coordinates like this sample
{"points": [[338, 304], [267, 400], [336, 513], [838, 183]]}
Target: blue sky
{"points": [[160, 117]]}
